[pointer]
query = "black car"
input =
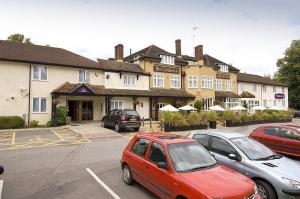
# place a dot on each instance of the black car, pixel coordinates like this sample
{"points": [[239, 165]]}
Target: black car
{"points": [[1, 169], [122, 119], [297, 113]]}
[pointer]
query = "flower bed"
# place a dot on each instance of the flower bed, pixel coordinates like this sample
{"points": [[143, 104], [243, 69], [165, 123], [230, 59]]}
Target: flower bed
{"points": [[234, 124], [169, 128]]}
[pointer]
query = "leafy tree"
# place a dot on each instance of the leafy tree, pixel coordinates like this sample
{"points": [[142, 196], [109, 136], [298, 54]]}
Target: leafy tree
{"points": [[198, 104], [289, 72], [19, 38]]}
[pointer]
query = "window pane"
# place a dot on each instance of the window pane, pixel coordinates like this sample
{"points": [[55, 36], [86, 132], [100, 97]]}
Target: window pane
{"points": [[43, 105], [87, 76], [36, 72], [202, 139], [81, 75], [35, 105], [157, 154], [142, 147], [43, 72], [222, 147], [271, 131]]}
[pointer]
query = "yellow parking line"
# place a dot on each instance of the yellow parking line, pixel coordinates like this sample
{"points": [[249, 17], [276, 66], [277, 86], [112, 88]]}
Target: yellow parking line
{"points": [[13, 139], [58, 135]]}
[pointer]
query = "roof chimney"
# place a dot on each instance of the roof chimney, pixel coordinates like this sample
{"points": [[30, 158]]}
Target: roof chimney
{"points": [[178, 47], [119, 52], [199, 53]]}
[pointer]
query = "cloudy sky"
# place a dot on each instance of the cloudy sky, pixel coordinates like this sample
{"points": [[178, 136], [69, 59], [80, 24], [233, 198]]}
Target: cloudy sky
{"points": [[250, 34]]}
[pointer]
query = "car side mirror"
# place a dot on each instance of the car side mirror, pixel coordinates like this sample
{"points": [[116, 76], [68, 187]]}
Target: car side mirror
{"points": [[234, 157], [162, 165], [1, 170]]}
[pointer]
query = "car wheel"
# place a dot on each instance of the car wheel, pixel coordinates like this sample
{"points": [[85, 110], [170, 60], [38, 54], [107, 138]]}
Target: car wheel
{"points": [[117, 127], [265, 190], [127, 177]]}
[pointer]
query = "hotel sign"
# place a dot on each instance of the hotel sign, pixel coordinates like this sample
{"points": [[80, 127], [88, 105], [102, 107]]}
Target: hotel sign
{"points": [[166, 69], [279, 96], [223, 75]]}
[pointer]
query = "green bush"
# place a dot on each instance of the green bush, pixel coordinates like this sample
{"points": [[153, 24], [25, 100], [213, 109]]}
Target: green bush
{"points": [[203, 117], [49, 123], [212, 116], [177, 119], [228, 115], [34, 123], [193, 118], [198, 104], [61, 115], [11, 122], [244, 117], [167, 117]]}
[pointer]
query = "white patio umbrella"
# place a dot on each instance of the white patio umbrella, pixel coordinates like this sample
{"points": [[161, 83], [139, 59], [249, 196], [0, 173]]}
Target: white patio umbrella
{"points": [[187, 108], [275, 108], [238, 108], [258, 108], [216, 108], [169, 108]]}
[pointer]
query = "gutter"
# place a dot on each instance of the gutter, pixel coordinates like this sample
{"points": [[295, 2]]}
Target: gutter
{"points": [[29, 93]]}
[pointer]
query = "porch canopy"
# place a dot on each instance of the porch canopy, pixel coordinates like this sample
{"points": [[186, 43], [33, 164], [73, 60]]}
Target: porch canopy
{"points": [[99, 90], [216, 108], [168, 108], [258, 108], [187, 108], [246, 94], [238, 108]]}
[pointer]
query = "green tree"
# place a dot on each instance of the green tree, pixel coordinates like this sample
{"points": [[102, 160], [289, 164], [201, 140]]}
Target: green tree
{"points": [[198, 104], [289, 72], [19, 38]]}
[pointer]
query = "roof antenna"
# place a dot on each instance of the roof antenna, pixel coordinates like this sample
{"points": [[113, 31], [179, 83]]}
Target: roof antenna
{"points": [[130, 51], [194, 35]]}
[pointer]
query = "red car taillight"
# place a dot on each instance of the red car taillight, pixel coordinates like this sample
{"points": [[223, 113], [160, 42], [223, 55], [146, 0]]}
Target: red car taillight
{"points": [[122, 117]]}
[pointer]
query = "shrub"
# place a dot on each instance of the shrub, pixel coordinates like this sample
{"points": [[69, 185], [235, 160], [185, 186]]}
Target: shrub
{"points": [[244, 117], [228, 115], [193, 118], [167, 117], [61, 115], [11, 122], [49, 123], [212, 116], [203, 117], [198, 105], [34, 123]]}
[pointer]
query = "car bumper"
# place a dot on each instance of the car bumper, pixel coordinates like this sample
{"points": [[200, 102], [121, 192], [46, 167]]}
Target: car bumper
{"points": [[130, 124]]}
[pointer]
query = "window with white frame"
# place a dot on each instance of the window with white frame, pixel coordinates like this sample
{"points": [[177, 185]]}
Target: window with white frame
{"points": [[274, 89], [191, 63], [84, 76], [40, 73], [223, 67], [218, 85], [254, 87], [175, 82], [128, 80], [207, 102], [193, 82], [241, 85], [158, 80], [207, 82], [228, 85], [160, 105], [39, 105], [264, 88], [116, 104], [166, 59]]}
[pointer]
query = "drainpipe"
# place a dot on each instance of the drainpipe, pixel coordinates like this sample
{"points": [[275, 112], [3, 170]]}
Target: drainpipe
{"points": [[29, 94]]}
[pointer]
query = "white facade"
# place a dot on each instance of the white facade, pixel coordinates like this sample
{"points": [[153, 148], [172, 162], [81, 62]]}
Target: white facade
{"points": [[265, 95]]}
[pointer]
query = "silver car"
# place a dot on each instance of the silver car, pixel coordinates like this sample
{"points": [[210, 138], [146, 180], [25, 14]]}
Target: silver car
{"points": [[277, 177]]}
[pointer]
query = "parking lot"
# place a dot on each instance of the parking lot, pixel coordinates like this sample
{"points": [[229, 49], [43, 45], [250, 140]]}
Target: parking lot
{"points": [[73, 167]]}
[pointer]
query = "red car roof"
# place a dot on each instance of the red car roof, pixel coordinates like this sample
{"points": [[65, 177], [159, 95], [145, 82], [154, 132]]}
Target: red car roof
{"points": [[167, 138]]}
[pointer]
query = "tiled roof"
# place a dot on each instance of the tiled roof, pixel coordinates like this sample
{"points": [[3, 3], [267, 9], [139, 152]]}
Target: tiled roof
{"points": [[246, 94], [29, 53], [214, 62], [121, 66], [226, 94], [75, 89], [154, 52], [244, 77]]}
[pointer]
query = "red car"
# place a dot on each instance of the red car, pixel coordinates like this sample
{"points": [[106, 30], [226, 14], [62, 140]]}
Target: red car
{"points": [[283, 139], [180, 168]]}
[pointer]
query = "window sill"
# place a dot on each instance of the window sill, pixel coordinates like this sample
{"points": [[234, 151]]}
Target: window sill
{"points": [[38, 80], [39, 112]]}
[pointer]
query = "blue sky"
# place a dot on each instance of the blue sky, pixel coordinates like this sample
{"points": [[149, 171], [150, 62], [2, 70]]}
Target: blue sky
{"points": [[250, 34]]}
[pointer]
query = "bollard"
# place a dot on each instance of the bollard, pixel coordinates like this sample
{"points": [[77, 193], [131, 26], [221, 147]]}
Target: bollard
{"points": [[143, 122], [150, 123]]}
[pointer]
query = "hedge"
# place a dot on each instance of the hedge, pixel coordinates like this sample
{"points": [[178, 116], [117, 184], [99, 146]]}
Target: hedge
{"points": [[11, 122]]}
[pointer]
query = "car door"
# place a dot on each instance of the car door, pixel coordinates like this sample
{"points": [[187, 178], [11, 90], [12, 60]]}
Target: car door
{"points": [[270, 137], [108, 120], [159, 179], [221, 148], [290, 141], [136, 160]]}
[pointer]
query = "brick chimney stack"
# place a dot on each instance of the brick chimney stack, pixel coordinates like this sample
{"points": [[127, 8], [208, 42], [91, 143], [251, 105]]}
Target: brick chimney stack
{"points": [[199, 53], [178, 47], [119, 52]]}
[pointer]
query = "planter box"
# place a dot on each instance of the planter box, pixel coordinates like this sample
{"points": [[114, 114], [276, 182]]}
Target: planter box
{"points": [[234, 124], [169, 128], [213, 124]]}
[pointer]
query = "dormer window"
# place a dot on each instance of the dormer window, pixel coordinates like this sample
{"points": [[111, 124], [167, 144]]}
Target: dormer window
{"points": [[165, 59], [223, 67]]}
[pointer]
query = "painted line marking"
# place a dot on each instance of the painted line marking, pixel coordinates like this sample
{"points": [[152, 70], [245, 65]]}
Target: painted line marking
{"points": [[58, 135], [111, 192], [1, 185], [13, 139]]}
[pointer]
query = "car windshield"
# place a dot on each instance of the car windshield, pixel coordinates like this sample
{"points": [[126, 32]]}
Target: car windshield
{"points": [[253, 149], [190, 156], [130, 113]]}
